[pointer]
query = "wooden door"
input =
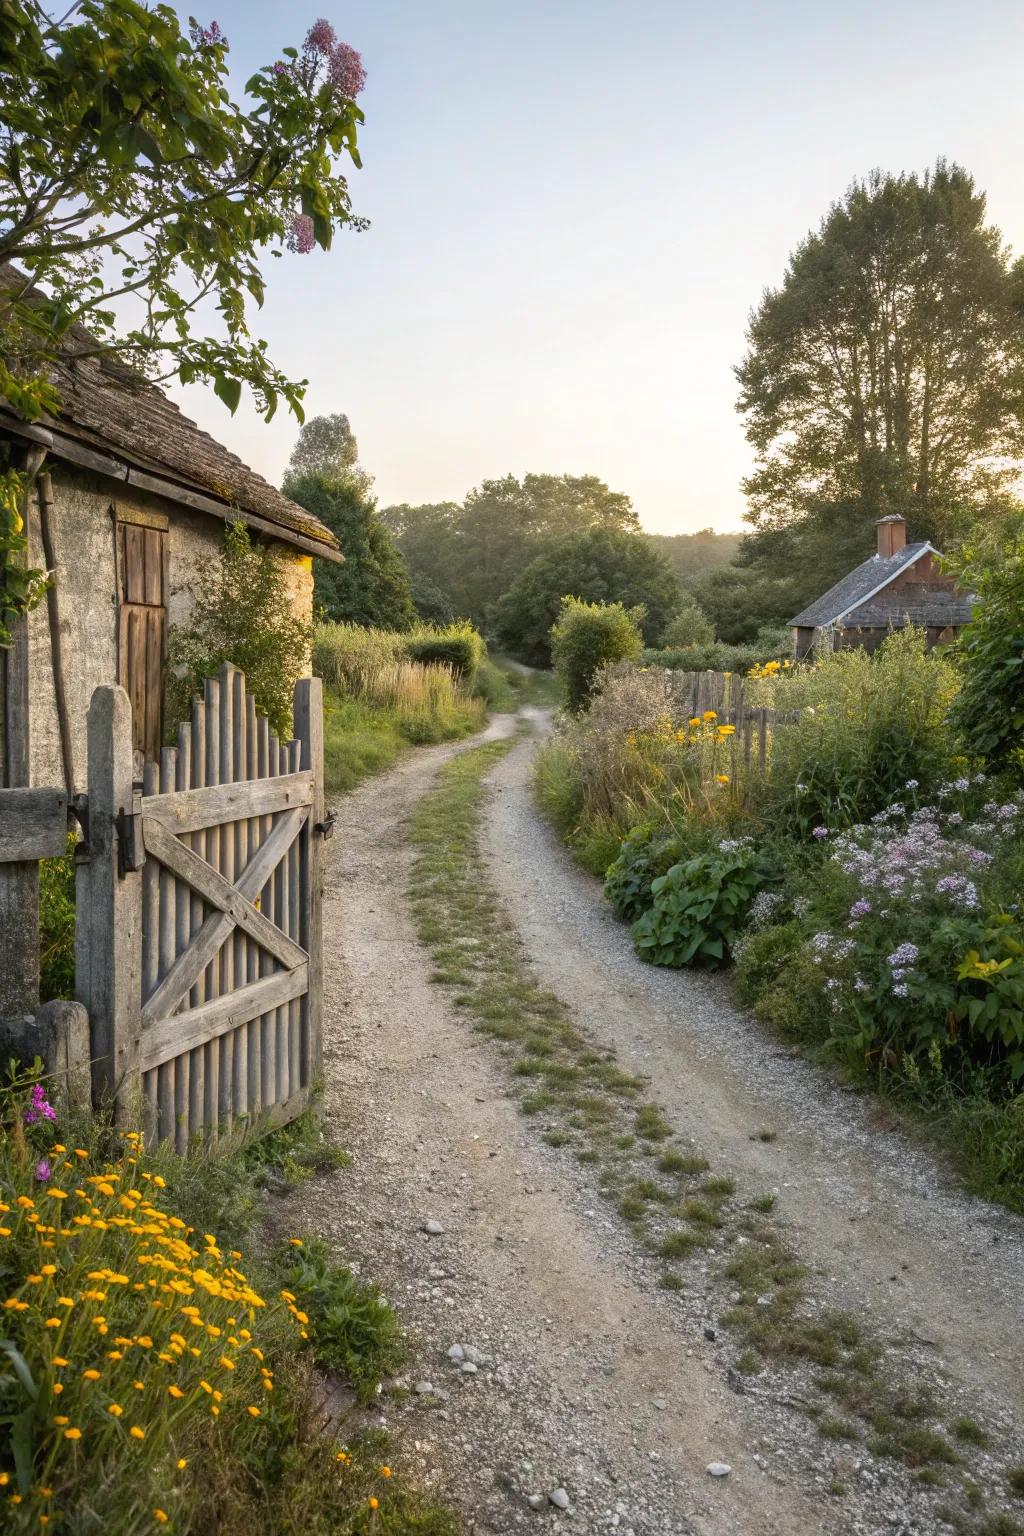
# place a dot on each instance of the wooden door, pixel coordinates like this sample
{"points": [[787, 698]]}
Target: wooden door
{"points": [[142, 628]]}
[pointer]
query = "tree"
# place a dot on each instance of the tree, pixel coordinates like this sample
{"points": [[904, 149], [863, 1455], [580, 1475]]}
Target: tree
{"points": [[587, 637], [603, 565], [990, 708], [135, 185], [136, 194], [885, 374], [691, 626], [474, 552], [692, 555], [326, 446], [371, 586]]}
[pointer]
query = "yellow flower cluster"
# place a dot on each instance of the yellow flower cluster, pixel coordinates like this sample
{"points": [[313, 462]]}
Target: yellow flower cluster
{"points": [[769, 669], [132, 1322]]}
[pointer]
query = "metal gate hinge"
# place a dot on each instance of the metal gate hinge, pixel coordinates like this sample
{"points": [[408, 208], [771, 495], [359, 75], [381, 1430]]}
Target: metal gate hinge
{"points": [[130, 853], [325, 827]]}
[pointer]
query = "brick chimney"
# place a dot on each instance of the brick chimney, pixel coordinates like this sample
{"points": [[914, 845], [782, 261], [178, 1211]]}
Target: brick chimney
{"points": [[892, 535]]}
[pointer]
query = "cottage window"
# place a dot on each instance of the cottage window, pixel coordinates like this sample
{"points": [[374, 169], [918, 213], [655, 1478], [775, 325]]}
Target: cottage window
{"points": [[141, 542]]}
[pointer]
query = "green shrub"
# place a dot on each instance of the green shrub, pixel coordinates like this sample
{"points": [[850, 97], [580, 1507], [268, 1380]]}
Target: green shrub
{"points": [[700, 908], [458, 647], [864, 726], [243, 614], [587, 637], [691, 626], [990, 653], [644, 854]]}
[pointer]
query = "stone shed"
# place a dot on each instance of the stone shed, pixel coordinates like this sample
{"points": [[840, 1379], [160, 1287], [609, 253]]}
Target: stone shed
{"points": [[130, 504]]}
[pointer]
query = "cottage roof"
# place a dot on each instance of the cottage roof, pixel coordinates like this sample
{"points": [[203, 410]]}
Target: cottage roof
{"points": [[862, 583], [116, 422], [925, 608]]}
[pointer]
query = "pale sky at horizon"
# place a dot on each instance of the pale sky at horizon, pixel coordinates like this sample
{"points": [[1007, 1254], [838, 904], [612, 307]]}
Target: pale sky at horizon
{"points": [[575, 206]]}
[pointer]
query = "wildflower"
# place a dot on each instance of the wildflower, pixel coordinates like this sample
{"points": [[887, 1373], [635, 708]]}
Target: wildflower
{"points": [[710, 714], [43, 1171], [903, 956], [347, 73], [91, 1374], [819, 832], [59, 1360], [52, 1322], [61, 1418], [296, 1242], [253, 1410], [137, 1433], [374, 1503], [72, 1434], [385, 1471], [38, 1108], [174, 1391], [57, 1194], [160, 1517], [300, 238], [860, 908], [721, 778], [115, 1409], [181, 1463]]}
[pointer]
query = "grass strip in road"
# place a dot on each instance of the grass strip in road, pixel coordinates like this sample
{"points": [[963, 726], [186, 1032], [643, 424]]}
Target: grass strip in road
{"points": [[677, 1208]]}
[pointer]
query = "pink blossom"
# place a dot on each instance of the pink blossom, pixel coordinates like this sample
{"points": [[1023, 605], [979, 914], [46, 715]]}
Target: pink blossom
{"points": [[347, 73], [43, 1170], [207, 37], [300, 234], [321, 38], [39, 1108]]}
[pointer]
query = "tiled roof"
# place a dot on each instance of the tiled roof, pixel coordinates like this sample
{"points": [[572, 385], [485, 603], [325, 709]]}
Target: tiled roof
{"points": [[856, 587], [908, 607], [110, 410]]}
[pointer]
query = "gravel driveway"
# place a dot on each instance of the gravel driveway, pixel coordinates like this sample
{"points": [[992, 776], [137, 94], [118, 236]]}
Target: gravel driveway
{"points": [[582, 1377]]}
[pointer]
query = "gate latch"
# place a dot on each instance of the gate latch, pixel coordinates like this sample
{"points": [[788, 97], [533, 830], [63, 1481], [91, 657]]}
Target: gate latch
{"points": [[131, 854], [325, 827]]}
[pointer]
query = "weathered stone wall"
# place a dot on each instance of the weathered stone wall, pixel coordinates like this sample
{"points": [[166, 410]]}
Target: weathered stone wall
{"points": [[86, 575]]}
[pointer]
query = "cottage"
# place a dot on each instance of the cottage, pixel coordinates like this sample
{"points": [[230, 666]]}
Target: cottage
{"points": [[900, 584], [131, 505]]}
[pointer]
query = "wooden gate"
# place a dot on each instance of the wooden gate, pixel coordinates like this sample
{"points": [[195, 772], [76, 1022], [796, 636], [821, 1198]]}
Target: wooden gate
{"points": [[199, 914]]}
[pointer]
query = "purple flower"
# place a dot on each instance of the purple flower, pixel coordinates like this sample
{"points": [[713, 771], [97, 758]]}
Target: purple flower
{"points": [[901, 989], [300, 236], [910, 784], [321, 38], [905, 955], [346, 71], [860, 908], [280, 69], [43, 1170], [207, 37], [39, 1108], [819, 832]]}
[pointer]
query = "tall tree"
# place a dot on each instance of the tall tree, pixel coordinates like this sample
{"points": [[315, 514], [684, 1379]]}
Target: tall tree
{"points": [[371, 586], [885, 373], [473, 553], [602, 565]]}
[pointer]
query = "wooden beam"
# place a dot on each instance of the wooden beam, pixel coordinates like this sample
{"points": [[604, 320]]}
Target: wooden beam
{"points": [[188, 967], [33, 824], [309, 729], [218, 892], [194, 810], [108, 939], [167, 1038]]}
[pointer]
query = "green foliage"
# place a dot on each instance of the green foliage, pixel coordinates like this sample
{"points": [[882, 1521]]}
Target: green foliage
{"points": [[689, 626], [990, 655], [600, 566], [587, 637], [352, 1329], [371, 585], [865, 726], [326, 450], [242, 614], [57, 925], [646, 853], [699, 908], [694, 555], [458, 647], [464, 558], [21, 586], [882, 374], [715, 656], [135, 175]]}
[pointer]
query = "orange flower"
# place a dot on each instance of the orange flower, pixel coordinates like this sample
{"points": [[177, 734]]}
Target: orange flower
{"points": [[137, 1433]]}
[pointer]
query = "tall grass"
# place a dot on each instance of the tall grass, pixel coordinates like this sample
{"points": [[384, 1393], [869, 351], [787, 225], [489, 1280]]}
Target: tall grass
{"points": [[379, 702]]}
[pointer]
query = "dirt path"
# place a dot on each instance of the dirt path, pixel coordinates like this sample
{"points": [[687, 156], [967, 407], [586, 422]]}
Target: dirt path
{"points": [[587, 1378]]}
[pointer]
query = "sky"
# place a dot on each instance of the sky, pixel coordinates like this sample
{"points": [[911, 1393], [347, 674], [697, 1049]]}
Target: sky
{"points": [[574, 207]]}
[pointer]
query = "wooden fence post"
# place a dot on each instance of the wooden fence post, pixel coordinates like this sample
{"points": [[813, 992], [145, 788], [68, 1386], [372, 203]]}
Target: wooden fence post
{"points": [[108, 947], [309, 728]]}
